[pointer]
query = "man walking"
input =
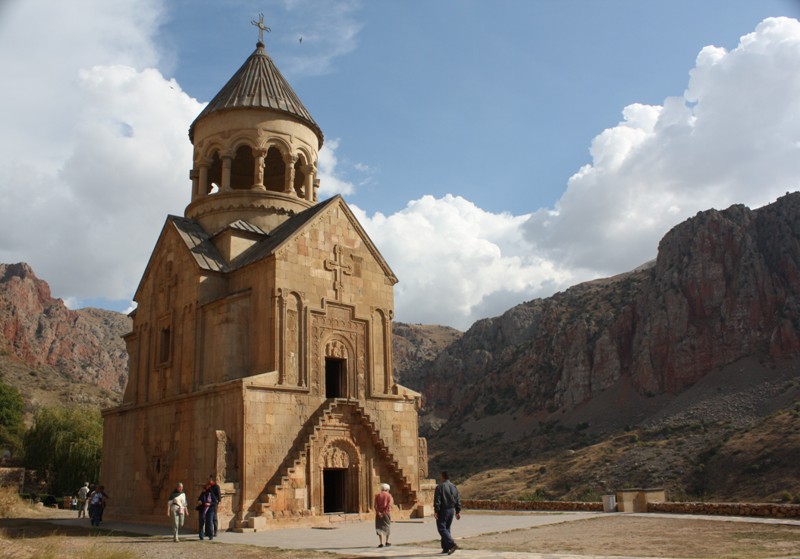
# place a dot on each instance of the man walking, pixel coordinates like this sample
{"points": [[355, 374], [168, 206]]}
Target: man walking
{"points": [[446, 504], [177, 510], [216, 497], [83, 499]]}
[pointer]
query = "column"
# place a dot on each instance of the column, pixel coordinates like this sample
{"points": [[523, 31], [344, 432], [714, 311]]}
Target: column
{"points": [[203, 180], [308, 181], [387, 336], [259, 155], [288, 186], [226, 172], [280, 327], [194, 176]]}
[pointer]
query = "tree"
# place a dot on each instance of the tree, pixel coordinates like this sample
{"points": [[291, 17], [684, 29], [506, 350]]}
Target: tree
{"points": [[64, 445], [12, 426]]}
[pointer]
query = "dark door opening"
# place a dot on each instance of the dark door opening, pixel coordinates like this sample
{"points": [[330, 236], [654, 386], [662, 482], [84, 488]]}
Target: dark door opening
{"points": [[334, 377], [333, 488]]}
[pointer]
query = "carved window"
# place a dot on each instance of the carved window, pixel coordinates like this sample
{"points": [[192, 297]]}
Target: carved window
{"points": [[164, 344], [335, 380]]}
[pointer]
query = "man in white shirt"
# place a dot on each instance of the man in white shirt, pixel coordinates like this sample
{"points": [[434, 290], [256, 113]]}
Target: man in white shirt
{"points": [[177, 509], [83, 500]]}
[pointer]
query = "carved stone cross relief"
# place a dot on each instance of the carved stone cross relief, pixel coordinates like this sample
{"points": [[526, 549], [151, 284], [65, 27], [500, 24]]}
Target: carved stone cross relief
{"points": [[339, 269]]}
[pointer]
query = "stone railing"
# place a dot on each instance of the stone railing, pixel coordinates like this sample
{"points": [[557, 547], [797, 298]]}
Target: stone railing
{"points": [[772, 510], [531, 505]]}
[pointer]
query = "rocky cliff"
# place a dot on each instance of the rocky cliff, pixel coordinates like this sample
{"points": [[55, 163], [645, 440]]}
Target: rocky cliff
{"points": [[725, 286], [40, 333], [54, 354]]}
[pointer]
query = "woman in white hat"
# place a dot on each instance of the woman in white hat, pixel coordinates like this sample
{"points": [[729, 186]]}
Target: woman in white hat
{"points": [[383, 517]]}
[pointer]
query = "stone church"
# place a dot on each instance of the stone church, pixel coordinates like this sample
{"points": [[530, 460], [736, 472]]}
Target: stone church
{"points": [[261, 349]]}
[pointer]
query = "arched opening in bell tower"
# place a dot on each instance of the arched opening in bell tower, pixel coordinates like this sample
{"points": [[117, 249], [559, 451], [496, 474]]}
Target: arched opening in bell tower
{"points": [[274, 170], [243, 169], [214, 173], [300, 178]]}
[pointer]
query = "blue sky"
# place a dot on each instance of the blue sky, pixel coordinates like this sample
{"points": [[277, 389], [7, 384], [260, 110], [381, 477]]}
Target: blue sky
{"points": [[495, 151], [493, 101]]}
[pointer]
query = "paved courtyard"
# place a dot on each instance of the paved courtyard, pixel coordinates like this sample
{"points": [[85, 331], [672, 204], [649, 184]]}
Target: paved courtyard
{"points": [[410, 538]]}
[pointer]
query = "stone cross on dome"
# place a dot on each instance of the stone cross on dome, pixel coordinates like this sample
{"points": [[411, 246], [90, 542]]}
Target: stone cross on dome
{"points": [[261, 27]]}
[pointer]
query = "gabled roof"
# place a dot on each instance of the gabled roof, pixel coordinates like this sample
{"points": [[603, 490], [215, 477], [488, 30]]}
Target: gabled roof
{"points": [[205, 254], [279, 235], [199, 244], [292, 226], [258, 84]]}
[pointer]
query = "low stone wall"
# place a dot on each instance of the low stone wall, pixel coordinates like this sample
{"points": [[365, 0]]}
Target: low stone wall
{"points": [[531, 505], [728, 509], [768, 510]]}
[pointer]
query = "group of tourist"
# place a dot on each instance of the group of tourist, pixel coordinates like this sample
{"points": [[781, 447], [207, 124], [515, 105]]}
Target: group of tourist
{"points": [[446, 506], [91, 502], [206, 507]]}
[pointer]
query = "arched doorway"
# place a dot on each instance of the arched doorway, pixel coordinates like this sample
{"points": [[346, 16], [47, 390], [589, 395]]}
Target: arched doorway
{"points": [[336, 370], [339, 465]]}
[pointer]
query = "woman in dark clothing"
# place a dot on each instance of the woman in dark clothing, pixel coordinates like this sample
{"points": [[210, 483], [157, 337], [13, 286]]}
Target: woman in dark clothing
{"points": [[205, 523], [97, 502]]}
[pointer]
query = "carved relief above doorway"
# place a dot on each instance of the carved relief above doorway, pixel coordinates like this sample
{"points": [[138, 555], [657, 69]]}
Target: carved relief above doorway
{"points": [[338, 348]]}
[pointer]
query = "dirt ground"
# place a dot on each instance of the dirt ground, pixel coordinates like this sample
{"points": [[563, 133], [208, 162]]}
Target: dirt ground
{"points": [[650, 537], [37, 539], [34, 538]]}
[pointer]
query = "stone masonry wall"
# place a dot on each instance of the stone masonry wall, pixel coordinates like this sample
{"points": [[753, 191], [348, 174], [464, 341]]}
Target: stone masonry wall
{"points": [[530, 505], [729, 509], [769, 510]]}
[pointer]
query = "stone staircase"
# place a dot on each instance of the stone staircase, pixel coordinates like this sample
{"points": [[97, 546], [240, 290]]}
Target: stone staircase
{"points": [[262, 510]]}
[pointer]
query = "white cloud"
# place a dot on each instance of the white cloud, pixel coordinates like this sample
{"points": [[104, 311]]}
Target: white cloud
{"points": [[330, 176], [96, 154], [456, 262], [731, 138], [91, 170]]}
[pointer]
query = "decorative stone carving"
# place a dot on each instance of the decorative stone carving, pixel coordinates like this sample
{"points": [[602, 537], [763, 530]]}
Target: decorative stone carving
{"points": [[339, 269], [422, 457], [339, 454], [335, 348]]}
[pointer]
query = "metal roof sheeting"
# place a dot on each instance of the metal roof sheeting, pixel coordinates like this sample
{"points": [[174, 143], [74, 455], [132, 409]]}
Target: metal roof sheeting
{"points": [[200, 247]]}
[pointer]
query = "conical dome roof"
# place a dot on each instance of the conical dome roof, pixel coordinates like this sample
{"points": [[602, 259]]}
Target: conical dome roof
{"points": [[259, 85]]}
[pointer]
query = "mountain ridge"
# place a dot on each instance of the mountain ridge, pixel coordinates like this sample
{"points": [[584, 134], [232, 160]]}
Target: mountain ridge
{"points": [[670, 374]]}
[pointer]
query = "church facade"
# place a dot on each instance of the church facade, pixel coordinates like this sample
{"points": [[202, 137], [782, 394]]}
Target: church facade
{"points": [[261, 348]]}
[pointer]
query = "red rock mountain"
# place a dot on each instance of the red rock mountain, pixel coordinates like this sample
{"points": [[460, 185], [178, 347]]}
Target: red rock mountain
{"points": [[725, 286], [41, 333], [46, 347]]}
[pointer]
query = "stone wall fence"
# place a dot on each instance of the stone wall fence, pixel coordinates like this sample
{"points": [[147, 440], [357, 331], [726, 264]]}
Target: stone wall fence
{"points": [[772, 510], [769, 510], [530, 505]]}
